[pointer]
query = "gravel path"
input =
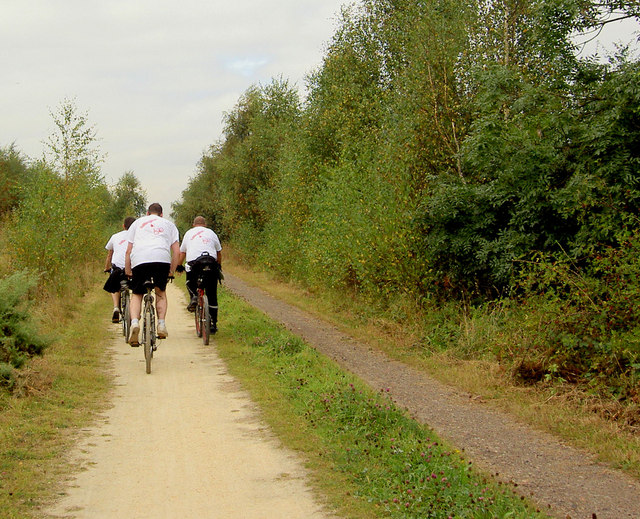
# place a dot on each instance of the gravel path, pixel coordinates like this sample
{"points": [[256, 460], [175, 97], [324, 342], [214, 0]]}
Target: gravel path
{"points": [[182, 442], [565, 481]]}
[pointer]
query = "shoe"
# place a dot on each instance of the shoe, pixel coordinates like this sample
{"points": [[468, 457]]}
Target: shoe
{"points": [[192, 304], [133, 336], [115, 318], [162, 331]]}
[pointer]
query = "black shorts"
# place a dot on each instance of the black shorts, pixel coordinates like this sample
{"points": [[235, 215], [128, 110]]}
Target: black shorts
{"points": [[113, 282], [159, 272]]}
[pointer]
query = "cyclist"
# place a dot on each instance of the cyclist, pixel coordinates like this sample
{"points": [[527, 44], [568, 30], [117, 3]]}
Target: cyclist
{"points": [[153, 251], [200, 245], [116, 247]]}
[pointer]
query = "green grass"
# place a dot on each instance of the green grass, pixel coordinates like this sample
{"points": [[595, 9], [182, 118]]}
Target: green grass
{"points": [[366, 457], [59, 394], [365, 454], [577, 417]]}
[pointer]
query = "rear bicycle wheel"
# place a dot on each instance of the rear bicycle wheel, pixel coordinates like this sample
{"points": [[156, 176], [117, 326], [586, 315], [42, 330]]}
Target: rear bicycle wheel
{"points": [[206, 320], [198, 316], [126, 315], [147, 336]]}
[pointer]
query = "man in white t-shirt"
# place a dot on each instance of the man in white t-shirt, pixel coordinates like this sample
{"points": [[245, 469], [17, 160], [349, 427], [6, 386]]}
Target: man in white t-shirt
{"points": [[153, 252], [116, 247], [200, 245]]}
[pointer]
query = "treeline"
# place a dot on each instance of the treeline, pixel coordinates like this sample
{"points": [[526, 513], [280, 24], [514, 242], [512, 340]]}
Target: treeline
{"points": [[452, 149], [56, 214]]}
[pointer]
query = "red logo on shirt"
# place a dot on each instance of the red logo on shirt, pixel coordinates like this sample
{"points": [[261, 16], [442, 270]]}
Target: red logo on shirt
{"points": [[155, 230], [148, 222]]}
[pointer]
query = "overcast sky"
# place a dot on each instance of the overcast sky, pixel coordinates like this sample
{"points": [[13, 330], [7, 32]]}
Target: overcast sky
{"points": [[154, 77]]}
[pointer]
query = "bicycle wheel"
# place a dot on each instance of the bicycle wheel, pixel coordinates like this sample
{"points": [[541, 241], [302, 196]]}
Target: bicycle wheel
{"points": [[198, 316], [126, 316], [147, 336], [206, 320]]}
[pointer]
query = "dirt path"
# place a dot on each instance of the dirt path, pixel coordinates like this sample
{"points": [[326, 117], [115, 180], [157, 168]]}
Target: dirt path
{"points": [[184, 441], [568, 481]]}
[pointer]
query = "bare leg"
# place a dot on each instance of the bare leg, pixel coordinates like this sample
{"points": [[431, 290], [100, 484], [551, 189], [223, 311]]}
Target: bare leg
{"points": [[116, 299], [136, 305], [161, 304]]}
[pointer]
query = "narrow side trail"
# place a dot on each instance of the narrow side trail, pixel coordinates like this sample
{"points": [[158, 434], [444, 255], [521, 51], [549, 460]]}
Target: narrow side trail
{"points": [[184, 441], [564, 481]]}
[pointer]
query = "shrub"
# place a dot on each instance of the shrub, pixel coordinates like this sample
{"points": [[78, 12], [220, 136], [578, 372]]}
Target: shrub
{"points": [[13, 170], [18, 338], [7, 377], [586, 327], [67, 215]]}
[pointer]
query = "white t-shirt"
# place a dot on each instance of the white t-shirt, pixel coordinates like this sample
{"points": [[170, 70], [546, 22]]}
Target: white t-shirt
{"points": [[198, 240], [152, 237], [118, 244]]}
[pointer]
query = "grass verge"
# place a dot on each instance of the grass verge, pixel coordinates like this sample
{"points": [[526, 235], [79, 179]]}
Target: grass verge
{"points": [[365, 454], [565, 412], [59, 393]]}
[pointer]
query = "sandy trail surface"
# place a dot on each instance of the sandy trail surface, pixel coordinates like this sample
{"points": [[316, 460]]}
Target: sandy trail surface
{"points": [[182, 442]]}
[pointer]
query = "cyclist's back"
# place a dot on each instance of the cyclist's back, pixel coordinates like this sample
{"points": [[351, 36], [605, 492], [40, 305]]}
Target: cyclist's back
{"points": [[201, 248], [153, 253], [116, 249]]}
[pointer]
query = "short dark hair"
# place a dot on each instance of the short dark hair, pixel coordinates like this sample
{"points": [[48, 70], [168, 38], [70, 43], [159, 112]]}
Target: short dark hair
{"points": [[128, 221], [155, 208]]}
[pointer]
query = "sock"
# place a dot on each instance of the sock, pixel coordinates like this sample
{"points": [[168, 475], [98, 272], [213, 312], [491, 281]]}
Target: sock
{"points": [[134, 322], [160, 321]]}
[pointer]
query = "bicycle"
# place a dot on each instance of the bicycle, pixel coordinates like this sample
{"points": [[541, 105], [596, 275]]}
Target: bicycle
{"points": [[148, 325], [204, 324], [125, 311]]}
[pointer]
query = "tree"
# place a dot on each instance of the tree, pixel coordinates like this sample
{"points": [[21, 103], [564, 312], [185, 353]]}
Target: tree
{"points": [[73, 146], [199, 198], [254, 137], [129, 199], [13, 171]]}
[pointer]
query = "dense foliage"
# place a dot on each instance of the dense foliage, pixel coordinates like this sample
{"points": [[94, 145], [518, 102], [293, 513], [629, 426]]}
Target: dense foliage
{"points": [[443, 146], [56, 214]]}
